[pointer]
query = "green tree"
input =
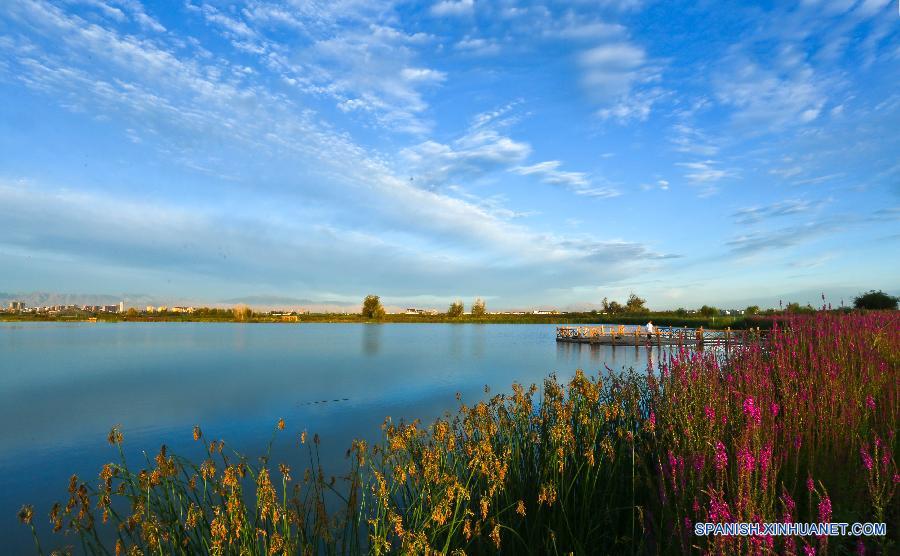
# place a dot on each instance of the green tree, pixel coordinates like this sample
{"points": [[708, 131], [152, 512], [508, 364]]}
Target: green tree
{"points": [[456, 309], [635, 304], [681, 311], [614, 307], [708, 311], [371, 308], [875, 300], [752, 310], [478, 308], [604, 305]]}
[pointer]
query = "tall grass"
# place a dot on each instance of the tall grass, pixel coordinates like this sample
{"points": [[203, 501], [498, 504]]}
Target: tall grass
{"points": [[799, 428]]}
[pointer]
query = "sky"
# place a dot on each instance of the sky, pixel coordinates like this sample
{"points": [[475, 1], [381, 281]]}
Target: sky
{"points": [[532, 154]]}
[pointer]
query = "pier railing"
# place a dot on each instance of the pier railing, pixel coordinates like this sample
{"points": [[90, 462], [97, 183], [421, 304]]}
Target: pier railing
{"points": [[622, 335]]}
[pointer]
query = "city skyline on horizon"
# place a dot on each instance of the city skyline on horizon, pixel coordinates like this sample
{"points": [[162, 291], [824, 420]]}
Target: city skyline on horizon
{"points": [[521, 152]]}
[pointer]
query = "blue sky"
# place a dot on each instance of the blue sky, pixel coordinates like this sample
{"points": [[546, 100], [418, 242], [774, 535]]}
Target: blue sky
{"points": [[534, 154]]}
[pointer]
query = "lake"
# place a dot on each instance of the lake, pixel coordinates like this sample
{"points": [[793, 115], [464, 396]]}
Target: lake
{"points": [[63, 385]]}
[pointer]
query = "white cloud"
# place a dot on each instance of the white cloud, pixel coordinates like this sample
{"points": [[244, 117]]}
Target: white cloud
{"points": [[576, 182], [453, 7], [616, 76], [771, 99], [478, 46], [479, 152]]}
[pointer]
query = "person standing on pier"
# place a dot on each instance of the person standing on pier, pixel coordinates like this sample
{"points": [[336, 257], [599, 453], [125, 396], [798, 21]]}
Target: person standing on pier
{"points": [[650, 329]]}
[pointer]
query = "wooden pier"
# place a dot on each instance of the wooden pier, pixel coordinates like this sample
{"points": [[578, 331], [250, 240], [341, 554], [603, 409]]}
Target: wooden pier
{"points": [[618, 335]]}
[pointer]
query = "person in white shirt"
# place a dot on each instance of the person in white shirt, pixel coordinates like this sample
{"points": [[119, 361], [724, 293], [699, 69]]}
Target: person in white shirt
{"points": [[650, 329]]}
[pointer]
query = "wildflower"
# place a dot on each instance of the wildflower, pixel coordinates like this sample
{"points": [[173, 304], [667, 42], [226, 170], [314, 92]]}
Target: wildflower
{"points": [[870, 402], [825, 510], [752, 411], [285, 472], [746, 461], [281, 424], [866, 457], [25, 515], [115, 436], [721, 456], [520, 508], [710, 413], [198, 434], [810, 486], [495, 536], [303, 437]]}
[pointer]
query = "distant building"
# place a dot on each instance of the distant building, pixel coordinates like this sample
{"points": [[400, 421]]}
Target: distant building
{"points": [[121, 306], [110, 308], [151, 309], [16, 305], [179, 309], [545, 312], [162, 309], [415, 311]]}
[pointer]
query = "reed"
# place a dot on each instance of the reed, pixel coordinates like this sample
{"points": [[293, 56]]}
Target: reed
{"points": [[799, 428]]}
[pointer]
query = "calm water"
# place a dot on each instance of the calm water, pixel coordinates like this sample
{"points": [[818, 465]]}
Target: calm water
{"points": [[63, 385]]}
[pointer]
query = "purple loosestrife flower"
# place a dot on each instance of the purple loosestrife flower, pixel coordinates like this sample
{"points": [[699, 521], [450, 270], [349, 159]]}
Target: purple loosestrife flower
{"points": [[866, 457], [870, 402], [810, 485], [860, 548], [825, 510], [721, 456], [809, 551], [746, 461], [752, 411], [709, 412]]}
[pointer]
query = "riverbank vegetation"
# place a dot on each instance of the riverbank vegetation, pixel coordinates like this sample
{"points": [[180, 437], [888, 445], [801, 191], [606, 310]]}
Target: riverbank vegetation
{"points": [[632, 312], [799, 429]]}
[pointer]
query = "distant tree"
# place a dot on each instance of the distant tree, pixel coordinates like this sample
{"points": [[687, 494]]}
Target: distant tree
{"points": [[478, 308], [132, 312], [371, 308], [793, 307], [752, 310], [681, 311], [708, 311], [615, 307], [605, 305], [875, 300], [242, 313], [635, 304], [456, 309]]}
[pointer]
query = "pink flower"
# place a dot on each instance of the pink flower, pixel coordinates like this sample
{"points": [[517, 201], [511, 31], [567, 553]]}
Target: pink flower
{"points": [[746, 461], [709, 412], [752, 411], [825, 510], [866, 457], [809, 551], [870, 402], [774, 409], [721, 456], [810, 486]]}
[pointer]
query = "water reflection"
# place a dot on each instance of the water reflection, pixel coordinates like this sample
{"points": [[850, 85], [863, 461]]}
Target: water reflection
{"points": [[371, 339], [63, 386]]}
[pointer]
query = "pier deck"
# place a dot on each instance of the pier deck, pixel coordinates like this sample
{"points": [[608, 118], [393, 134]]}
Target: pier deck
{"points": [[619, 335]]}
